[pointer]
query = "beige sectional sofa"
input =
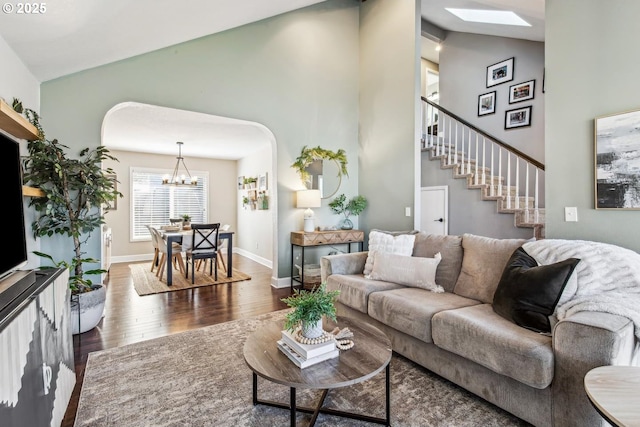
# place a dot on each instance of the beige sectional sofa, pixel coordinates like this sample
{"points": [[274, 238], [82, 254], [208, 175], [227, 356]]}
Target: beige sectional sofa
{"points": [[456, 333]]}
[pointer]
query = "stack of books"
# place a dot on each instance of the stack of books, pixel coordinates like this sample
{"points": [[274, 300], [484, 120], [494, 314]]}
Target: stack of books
{"points": [[304, 355]]}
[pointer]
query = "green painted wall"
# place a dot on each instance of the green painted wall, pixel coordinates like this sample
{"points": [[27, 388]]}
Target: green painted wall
{"points": [[591, 71], [295, 73], [389, 94]]}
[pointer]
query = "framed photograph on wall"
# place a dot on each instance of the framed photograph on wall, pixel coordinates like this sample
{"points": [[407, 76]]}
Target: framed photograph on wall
{"points": [[521, 91], [501, 72], [617, 144], [262, 182], [487, 103], [517, 118]]}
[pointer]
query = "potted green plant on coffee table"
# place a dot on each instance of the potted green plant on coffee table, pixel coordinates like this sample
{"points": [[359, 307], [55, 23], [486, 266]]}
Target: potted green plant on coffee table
{"points": [[308, 309]]}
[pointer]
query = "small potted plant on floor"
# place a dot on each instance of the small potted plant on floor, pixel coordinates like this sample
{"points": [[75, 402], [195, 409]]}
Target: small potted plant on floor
{"points": [[77, 193], [353, 207], [308, 309]]}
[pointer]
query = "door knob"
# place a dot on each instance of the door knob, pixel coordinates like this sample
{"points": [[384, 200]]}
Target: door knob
{"points": [[439, 220]]}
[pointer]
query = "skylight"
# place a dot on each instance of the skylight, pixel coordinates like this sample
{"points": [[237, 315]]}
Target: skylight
{"points": [[501, 17]]}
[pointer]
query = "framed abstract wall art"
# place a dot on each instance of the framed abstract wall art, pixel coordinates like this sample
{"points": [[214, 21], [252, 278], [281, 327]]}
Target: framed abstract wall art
{"points": [[617, 161]]}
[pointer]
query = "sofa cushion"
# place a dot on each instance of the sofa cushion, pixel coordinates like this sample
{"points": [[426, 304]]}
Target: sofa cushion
{"points": [[482, 265], [412, 271], [355, 289], [480, 335], [410, 310], [450, 247], [527, 293], [393, 243]]}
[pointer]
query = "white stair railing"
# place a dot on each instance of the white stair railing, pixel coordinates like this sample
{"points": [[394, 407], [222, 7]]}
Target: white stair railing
{"points": [[461, 144]]}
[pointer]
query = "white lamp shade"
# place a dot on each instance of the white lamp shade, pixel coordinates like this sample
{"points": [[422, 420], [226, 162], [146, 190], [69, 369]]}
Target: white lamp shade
{"points": [[308, 199]]}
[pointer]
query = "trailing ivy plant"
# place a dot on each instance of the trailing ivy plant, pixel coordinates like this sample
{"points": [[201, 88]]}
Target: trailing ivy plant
{"points": [[310, 306], [74, 191], [309, 155]]}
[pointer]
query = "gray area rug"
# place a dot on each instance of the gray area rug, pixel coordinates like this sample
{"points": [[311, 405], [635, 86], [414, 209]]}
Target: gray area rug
{"points": [[199, 378]]}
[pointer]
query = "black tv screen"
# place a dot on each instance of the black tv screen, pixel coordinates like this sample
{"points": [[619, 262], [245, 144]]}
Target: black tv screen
{"points": [[15, 253]]}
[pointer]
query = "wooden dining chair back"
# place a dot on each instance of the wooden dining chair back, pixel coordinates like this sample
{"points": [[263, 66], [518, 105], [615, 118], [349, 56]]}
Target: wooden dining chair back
{"points": [[204, 245], [175, 257]]}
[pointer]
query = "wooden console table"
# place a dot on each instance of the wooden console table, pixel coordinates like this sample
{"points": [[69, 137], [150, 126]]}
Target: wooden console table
{"points": [[303, 239]]}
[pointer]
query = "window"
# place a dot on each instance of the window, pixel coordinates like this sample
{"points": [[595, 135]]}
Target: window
{"points": [[153, 203]]}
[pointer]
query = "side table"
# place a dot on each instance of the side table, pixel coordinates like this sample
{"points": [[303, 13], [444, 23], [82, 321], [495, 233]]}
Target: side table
{"points": [[614, 391], [304, 239]]}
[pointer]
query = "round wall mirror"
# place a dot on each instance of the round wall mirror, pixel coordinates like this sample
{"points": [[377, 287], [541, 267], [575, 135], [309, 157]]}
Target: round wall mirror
{"points": [[325, 176]]}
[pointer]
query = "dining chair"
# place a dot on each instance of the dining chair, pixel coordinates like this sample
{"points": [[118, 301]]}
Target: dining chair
{"points": [[156, 251], [175, 255], [204, 245]]}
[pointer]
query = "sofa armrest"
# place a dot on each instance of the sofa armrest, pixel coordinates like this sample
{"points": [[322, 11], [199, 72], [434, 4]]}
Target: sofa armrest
{"points": [[582, 342], [351, 263]]}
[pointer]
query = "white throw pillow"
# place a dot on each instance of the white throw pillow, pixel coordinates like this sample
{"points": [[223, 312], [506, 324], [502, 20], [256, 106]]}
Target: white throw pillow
{"points": [[418, 272], [383, 242]]}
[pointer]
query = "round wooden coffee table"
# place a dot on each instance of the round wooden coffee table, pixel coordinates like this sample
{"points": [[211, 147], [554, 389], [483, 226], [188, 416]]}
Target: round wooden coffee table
{"points": [[370, 355], [615, 393]]}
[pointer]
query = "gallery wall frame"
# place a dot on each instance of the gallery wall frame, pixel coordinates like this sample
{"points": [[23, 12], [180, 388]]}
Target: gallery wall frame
{"points": [[500, 72], [263, 182], [517, 118], [522, 91], [487, 103], [617, 161]]}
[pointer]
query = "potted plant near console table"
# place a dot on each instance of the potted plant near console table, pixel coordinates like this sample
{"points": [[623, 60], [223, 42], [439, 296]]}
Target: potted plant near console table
{"points": [[353, 207], [309, 307], [74, 190]]}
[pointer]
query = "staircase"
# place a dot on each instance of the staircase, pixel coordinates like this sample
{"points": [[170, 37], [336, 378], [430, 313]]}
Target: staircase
{"points": [[503, 174]]}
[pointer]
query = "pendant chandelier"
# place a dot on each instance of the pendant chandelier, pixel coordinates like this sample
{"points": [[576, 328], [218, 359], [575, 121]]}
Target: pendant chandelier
{"points": [[178, 179]]}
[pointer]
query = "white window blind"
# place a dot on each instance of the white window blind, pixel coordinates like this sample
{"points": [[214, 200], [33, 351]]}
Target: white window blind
{"points": [[153, 203]]}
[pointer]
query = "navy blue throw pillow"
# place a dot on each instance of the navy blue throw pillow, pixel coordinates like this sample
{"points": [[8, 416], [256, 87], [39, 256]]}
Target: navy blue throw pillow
{"points": [[528, 293]]}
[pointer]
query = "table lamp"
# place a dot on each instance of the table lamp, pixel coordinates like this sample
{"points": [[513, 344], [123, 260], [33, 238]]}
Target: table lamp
{"points": [[308, 199]]}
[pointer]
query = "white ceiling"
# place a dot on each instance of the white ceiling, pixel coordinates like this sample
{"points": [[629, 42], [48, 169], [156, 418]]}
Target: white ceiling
{"points": [[75, 35]]}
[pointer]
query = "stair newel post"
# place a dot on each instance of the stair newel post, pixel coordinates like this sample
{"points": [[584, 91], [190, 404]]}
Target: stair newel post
{"points": [[433, 126], [484, 160], [425, 108], [475, 177], [500, 171], [442, 120], [508, 180], [491, 175], [517, 182]]}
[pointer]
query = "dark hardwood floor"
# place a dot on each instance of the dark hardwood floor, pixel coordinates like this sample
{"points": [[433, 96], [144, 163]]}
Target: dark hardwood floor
{"points": [[130, 318]]}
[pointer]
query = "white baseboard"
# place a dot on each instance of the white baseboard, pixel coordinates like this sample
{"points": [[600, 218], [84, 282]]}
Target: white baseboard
{"points": [[260, 260], [148, 257], [281, 283]]}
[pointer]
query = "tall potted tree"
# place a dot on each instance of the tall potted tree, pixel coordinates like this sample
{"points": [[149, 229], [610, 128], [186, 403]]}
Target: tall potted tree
{"points": [[75, 190]]}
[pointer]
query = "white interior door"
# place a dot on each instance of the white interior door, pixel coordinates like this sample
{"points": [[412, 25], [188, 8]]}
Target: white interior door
{"points": [[434, 203]]}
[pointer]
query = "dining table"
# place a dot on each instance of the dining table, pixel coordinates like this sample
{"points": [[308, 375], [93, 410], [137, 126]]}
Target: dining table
{"points": [[177, 237]]}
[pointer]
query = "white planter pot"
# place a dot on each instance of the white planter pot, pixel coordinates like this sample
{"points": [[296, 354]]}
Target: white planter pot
{"points": [[312, 330], [87, 309]]}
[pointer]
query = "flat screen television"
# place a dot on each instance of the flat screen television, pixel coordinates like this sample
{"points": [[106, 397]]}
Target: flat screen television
{"points": [[15, 243]]}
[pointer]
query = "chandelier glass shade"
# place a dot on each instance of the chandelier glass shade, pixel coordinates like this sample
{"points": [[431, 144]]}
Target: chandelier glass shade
{"points": [[178, 179]]}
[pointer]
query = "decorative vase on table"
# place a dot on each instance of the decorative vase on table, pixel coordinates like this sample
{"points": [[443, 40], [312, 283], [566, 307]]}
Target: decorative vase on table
{"points": [[347, 224], [312, 330]]}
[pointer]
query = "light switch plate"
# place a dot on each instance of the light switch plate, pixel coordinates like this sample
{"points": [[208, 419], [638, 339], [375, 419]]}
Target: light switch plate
{"points": [[571, 214], [407, 211]]}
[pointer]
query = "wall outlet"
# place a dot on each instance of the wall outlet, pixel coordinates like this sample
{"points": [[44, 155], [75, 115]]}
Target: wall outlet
{"points": [[571, 214], [407, 211]]}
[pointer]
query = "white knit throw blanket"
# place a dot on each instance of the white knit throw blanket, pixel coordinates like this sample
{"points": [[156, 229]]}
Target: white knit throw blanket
{"points": [[607, 278]]}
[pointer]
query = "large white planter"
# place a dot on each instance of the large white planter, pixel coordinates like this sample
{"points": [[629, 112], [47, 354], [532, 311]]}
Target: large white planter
{"points": [[87, 309]]}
